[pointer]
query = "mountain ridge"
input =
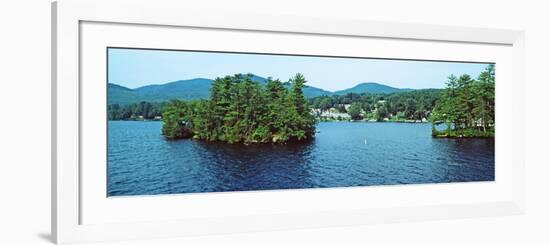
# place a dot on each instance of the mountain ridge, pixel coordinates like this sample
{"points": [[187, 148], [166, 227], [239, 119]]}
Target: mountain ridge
{"points": [[199, 88]]}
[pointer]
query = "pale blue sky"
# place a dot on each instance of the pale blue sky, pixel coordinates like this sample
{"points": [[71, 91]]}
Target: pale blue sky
{"points": [[134, 68]]}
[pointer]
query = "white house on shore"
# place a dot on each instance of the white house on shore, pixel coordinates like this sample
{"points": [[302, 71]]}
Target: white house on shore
{"points": [[335, 115], [331, 113]]}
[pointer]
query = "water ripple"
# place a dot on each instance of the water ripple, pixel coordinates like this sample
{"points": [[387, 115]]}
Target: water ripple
{"points": [[141, 161]]}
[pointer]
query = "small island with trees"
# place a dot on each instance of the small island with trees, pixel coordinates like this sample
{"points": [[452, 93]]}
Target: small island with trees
{"points": [[241, 110]]}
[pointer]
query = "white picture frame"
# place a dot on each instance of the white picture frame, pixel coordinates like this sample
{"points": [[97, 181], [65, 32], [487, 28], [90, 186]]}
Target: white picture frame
{"points": [[68, 17]]}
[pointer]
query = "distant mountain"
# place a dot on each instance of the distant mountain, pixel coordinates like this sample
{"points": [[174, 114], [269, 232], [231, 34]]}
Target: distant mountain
{"points": [[183, 89], [199, 88], [310, 91], [373, 88], [117, 94], [192, 89]]}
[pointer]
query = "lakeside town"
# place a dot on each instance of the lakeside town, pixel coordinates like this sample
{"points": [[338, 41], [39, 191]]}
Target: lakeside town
{"points": [[341, 113], [330, 115]]}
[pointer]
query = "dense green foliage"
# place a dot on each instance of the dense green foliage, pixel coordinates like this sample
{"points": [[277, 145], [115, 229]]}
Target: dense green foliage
{"points": [[467, 106], [137, 111], [241, 110], [355, 111], [401, 106]]}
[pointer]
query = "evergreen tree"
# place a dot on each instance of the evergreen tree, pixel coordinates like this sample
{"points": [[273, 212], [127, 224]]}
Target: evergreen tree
{"points": [[355, 111], [468, 106]]}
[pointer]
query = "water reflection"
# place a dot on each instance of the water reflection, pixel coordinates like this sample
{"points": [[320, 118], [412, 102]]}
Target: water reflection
{"points": [[238, 167]]}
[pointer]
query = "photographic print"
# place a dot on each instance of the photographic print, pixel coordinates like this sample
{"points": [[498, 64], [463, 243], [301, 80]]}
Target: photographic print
{"points": [[184, 121]]}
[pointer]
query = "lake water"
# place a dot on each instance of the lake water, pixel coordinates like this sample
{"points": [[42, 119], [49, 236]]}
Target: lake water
{"points": [[142, 162]]}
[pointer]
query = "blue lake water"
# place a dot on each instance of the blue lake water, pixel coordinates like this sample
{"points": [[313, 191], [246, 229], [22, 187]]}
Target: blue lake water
{"points": [[142, 162]]}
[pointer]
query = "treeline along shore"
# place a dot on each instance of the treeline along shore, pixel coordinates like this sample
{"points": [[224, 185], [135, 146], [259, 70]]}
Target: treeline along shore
{"points": [[240, 109]]}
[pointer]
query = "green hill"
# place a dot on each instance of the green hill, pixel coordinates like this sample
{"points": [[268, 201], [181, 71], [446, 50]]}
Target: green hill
{"points": [[373, 88], [192, 89]]}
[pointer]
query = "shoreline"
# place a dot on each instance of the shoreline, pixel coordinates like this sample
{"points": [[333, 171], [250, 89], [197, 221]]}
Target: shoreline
{"points": [[462, 134], [438, 134]]}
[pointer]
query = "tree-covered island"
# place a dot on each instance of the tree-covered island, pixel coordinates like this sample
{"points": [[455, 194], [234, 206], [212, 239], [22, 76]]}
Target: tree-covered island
{"points": [[467, 106], [241, 110]]}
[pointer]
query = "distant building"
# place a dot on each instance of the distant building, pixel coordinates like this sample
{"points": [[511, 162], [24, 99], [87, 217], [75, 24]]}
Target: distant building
{"points": [[335, 115]]}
